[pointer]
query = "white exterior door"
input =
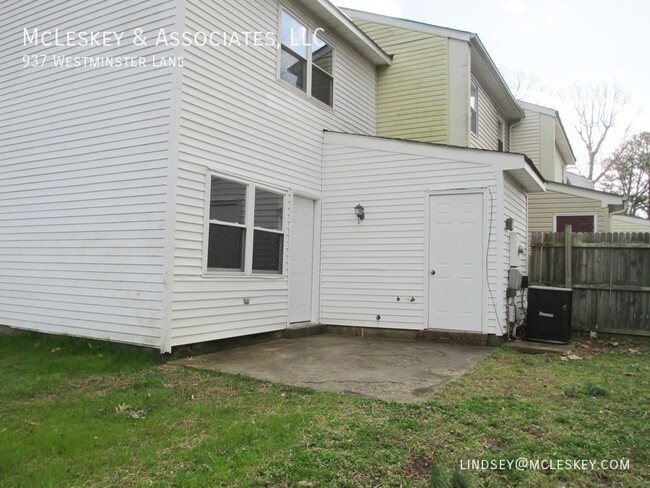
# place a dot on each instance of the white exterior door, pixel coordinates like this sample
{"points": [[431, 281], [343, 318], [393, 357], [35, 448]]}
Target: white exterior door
{"points": [[456, 257], [301, 245]]}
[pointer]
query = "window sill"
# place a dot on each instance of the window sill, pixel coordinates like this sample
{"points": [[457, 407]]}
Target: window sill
{"points": [[303, 95], [240, 276]]}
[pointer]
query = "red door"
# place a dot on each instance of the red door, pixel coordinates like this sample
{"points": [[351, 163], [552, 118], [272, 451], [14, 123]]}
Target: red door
{"points": [[579, 223]]}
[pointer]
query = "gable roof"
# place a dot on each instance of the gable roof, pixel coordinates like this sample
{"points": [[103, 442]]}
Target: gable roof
{"points": [[482, 64], [561, 138], [334, 20], [579, 180]]}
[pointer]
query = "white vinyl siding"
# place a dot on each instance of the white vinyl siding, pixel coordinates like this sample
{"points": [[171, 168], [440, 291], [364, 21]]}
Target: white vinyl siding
{"points": [[84, 176], [515, 201], [366, 266], [239, 119], [488, 119]]}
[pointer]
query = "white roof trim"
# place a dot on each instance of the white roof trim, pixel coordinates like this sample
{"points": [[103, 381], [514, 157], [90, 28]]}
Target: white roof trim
{"points": [[342, 25], [538, 108], [604, 197]]}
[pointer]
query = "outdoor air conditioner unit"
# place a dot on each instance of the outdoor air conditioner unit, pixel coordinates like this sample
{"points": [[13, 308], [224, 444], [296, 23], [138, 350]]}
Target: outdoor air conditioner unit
{"points": [[549, 314]]}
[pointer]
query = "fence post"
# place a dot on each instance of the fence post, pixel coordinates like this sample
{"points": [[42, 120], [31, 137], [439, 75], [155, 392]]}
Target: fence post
{"points": [[568, 228]]}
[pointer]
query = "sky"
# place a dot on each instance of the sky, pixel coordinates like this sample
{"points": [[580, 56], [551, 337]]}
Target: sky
{"points": [[557, 42]]}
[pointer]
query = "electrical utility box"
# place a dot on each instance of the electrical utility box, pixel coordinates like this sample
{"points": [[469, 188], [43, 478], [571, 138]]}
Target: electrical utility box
{"points": [[549, 314]]}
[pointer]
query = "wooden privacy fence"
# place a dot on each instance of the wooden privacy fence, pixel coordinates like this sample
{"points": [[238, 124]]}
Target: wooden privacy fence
{"points": [[608, 272]]}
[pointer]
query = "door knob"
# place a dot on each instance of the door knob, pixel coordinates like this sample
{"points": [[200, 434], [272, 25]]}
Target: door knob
{"points": [[433, 271]]}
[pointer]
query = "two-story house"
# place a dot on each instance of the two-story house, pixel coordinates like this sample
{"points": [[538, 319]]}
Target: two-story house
{"points": [[441, 87], [244, 192]]}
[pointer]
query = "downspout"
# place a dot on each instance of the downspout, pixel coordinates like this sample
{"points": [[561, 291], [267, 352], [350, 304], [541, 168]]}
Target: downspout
{"points": [[512, 126], [618, 212], [622, 211]]}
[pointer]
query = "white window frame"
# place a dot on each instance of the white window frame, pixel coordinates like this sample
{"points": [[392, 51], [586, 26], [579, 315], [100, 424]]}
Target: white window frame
{"points": [[310, 35], [473, 127], [249, 226]]}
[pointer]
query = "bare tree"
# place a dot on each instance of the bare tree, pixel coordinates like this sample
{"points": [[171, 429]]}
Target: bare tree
{"points": [[522, 83], [629, 173], [597, 107]]}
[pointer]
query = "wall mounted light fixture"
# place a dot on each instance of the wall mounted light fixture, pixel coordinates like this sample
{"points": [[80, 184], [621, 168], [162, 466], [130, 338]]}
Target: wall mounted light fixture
{"points": [[359, 212]]}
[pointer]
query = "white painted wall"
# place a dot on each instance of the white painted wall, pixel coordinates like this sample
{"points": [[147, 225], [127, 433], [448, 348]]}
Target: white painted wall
{"points": [[366, 266], [84, 176], [239, 119]]}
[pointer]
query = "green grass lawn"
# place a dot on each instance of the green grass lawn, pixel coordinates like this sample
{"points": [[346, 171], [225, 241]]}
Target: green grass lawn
{"points": [[82, 413]]}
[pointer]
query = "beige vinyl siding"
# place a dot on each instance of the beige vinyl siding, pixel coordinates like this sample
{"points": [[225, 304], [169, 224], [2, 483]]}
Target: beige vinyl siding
{"points": [[548, 148], [458, 106], [488, 117], [542, 207], [625, 223], [560, 167], [525, 138], [535, 137], [84, 176], [365, 267], [412, 92], [239, 119]]}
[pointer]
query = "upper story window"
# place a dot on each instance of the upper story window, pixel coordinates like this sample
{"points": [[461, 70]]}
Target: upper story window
{"points": [[501, 134], [306, 59], [322, 81], [238, 211], [473, 108]]}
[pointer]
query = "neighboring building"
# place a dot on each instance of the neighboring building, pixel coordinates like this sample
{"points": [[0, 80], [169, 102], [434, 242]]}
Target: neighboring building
{"points": [[627, 223], [586, 210], [569, 198], [579, 180], [541, 137], [442, 86], [162, 207]]}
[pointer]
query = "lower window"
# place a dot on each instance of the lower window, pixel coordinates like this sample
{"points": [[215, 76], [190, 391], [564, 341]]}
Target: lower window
{"points": [[238, 210], [226, 247], [267, 251]]}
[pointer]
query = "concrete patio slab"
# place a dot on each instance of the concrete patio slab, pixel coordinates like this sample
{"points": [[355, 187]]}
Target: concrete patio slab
{"points": [[391, 370]]}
